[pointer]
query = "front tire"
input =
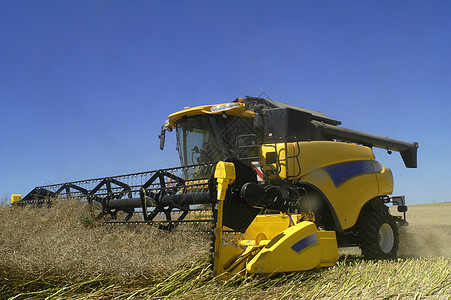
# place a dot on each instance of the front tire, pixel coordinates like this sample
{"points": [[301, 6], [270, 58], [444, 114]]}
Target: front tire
{"points": [[378, 235]]}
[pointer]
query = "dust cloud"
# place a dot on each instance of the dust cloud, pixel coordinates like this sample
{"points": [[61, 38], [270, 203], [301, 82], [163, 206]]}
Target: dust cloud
{"points": [[425, 241], [428, 233]]}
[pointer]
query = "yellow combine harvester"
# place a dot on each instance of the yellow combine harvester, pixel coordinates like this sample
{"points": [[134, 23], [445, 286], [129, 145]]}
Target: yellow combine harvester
{"points": [[281, 187]]}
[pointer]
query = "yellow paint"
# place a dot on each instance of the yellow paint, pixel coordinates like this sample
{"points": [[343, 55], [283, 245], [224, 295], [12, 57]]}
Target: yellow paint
{"points": [[239, 111], [225, 175], [196, 185], [268, 225], [329, 248], [279, 256], [385, 180], [313, 155], [16, 198], [275, 253], [267, 245], [228, 257], [238, 263], [348, 198]]}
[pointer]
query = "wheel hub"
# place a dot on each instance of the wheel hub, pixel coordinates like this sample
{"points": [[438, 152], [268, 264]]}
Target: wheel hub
{"points": [[386, 238]]}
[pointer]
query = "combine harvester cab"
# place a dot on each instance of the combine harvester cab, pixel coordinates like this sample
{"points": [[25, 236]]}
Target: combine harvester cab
{"points": [[278, 187]]}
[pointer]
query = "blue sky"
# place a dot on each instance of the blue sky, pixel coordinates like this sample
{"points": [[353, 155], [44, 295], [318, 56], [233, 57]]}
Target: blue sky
{"points": [[86, 85]]}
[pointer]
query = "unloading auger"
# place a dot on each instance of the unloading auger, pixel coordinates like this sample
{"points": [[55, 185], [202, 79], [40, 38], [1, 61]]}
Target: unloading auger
{"points": [[278, 187]]}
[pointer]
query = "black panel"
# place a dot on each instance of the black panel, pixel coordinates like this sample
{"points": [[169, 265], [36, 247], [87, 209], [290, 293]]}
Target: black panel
{"points": [[237, 215], [281, 124], [38, 194]]}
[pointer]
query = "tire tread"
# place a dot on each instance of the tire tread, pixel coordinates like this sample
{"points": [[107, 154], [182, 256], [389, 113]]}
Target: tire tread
{"points": [[368, 234]]}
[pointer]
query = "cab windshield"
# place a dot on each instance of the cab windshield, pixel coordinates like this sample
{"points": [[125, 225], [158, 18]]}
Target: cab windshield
{"points": [[203, 139]]}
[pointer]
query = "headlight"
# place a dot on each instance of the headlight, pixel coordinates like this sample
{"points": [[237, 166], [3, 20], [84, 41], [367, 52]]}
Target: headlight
{"points": [[222, 107]]}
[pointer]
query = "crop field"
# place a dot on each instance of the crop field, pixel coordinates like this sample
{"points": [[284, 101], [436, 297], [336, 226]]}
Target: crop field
{"points": [[62, 253]]}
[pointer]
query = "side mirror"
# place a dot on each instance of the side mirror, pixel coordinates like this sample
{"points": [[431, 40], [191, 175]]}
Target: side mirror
{"points": [[162, 137]]}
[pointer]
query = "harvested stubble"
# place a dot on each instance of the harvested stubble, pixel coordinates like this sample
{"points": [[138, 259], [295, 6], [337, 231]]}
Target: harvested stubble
{"points": [[53, 254]]}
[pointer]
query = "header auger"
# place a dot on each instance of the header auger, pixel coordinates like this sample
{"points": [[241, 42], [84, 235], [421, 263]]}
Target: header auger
{"points": [[278, 187]]}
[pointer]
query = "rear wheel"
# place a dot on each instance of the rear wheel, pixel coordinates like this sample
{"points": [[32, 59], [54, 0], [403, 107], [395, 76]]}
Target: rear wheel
{"points": [[378, 235]]}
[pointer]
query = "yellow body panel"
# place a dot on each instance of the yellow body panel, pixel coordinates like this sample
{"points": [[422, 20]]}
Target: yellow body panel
{"points": [[239, 109], [315, 157], [329, 248], [228, 257], [278, 243], [266, 227], [385, 180], [16, 198], [297, 248]]}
